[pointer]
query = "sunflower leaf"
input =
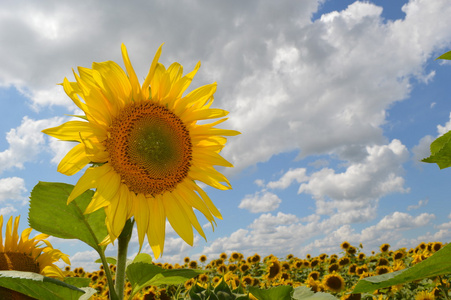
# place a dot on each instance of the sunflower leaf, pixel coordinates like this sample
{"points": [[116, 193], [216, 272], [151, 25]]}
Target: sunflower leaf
{"points": [[50, 214], [141, 273], [41, 287], [282, 292], [438, 264], [446, 55], [109, 259], [441, 151], [78, 281], [305, 293]]}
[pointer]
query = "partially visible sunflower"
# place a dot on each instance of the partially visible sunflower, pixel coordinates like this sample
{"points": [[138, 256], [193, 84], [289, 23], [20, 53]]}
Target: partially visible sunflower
{"points": [[30, 255], [147, 149], [20, 253]]}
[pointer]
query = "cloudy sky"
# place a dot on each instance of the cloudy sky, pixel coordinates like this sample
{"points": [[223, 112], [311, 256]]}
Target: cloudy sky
{"points": [[337, 102]]}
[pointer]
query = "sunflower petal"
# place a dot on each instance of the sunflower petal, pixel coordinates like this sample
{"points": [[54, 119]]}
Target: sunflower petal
{"points": [[177, 218], [74, 161], [88, 180]]}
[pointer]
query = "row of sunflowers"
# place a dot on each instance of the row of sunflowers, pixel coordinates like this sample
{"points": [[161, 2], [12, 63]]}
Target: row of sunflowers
{"points": [[336, 274]]}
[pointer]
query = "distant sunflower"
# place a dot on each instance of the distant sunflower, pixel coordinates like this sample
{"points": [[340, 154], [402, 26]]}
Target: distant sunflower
{"points": [[273, 270], [333, 282], [425, 295], [147, 149], [20, 253], [384, 248]]}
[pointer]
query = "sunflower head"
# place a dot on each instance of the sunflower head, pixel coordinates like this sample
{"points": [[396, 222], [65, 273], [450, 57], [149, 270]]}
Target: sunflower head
{"points": [[147, 149], [22, 253], [333, 282]]}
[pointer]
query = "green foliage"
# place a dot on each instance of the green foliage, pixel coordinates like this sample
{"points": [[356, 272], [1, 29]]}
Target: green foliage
{"points": [[77, 281], [286, 292], [50, 214], [282, 292], [447, 55], [438, 264], [441, 151], [441, 147], [142, 272], [41, 287], [221, 292]]}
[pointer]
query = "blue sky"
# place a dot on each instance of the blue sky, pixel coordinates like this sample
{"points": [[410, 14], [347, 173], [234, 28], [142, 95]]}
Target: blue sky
{"points": [[337, 102]]}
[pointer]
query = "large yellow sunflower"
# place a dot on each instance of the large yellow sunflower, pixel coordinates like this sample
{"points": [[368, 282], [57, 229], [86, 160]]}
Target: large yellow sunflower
{"points": [[146, 147], [29, 255]]}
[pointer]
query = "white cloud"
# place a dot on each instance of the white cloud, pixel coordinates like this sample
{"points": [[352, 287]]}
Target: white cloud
{"points": [[285, 181], [12, 188], [290, 83], [281, 234], [421, 203], [444, 129], [362, 183], [263, 201], [26, 142]]}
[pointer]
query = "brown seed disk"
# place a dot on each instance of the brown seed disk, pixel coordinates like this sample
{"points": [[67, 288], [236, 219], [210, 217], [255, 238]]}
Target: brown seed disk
{"points": [[150, 148]]}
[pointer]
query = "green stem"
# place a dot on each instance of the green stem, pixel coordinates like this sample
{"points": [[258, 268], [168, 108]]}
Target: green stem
{"points": [[123, 240], [113, 295]]}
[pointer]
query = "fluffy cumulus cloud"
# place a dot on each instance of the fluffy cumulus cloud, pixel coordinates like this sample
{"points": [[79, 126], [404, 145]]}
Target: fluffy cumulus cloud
{"points": [[285, 233], [26, 142], [263, 201], [289, 82], [362, 183], [12, 191]]}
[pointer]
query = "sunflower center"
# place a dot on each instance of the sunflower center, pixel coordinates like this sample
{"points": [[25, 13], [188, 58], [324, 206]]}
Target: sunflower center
{"points": [[18, 262], [150, 148]]}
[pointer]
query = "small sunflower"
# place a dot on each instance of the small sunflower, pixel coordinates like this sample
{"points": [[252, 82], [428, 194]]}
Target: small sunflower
{"points": [[345, 245], [30, 255], [146, 147], [333, 282], [273, 270], [425, 295], [384, 248], [20, 253]]}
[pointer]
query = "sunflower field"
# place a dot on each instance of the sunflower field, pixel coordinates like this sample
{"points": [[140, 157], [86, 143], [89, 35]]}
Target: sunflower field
{"points": [[333, 276]]}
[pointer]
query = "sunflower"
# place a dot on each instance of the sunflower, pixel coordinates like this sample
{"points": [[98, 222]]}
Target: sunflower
{"points": [[20, 253], [30, 255], [425, 295], [146, 148], [333, 282]]}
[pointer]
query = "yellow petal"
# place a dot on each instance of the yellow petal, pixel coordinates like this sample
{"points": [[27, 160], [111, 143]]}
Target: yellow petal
{"points": [[88, 180], [188, 211], [157, 225], [136, 88], [178, 218], [71, 131], [107, 189], [141, 217], [151, 70], [74, 161]]}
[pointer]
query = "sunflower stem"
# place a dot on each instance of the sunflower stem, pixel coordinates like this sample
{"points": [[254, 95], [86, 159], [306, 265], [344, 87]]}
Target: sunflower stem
{"points": [[109, 278], [123, 240]]}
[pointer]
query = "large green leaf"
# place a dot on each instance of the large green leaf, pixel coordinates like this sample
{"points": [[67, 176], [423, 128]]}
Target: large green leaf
{"points": [[447, 55], [78, 281], [282, 292], [141, 273], [305, 293], [441, 151], [437, 264], [41, 287], [49, 213]]}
